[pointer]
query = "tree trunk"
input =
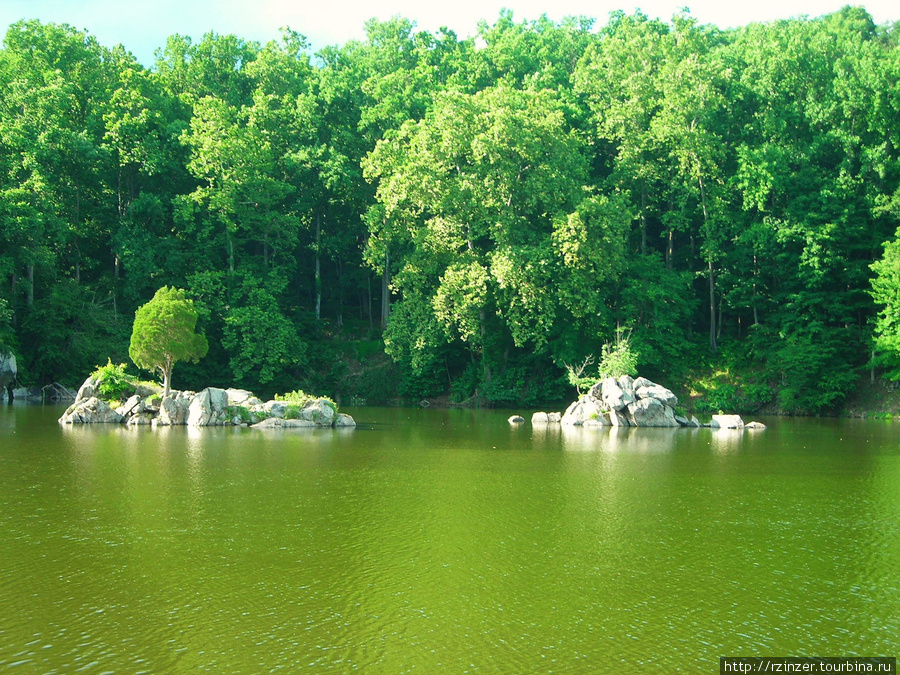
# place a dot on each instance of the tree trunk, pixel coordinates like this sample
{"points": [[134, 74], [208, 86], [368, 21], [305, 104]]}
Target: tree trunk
{"points": [[643, 219], [712, 282], [30, 288], [368, 302], [712, 308], [14, 303], [229, 245], [386, 291], [318, 266], [167, 376], [670, 248]]}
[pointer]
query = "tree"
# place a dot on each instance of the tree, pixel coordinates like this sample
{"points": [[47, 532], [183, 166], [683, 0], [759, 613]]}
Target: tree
{"points": [[164, 334], [886, 292]]}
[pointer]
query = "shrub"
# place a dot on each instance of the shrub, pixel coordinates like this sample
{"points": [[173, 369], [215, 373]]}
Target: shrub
{"points": [[301, 399], [115, 384]]}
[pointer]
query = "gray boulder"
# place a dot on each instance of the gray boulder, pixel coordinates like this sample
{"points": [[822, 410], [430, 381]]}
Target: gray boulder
{"points": [[275, 409], [585, 408], [139, 419], [344, 420], [173, 410], [755, 425], [626, 384], [649, 412], [90, 411], [660, 393], [208, 408], [87, 390], [516, 419], [554, 417], [319, 411], [685, 422], [540, 418], [614, 397], [618, 418], [133, 406], [727, 422], [241, 397]]}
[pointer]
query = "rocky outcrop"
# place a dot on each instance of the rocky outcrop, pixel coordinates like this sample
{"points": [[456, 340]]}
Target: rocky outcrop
{"points": [[210, 407], [90, 411], [625, 402]]}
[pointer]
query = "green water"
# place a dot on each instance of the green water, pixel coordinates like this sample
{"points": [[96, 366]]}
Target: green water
{"points": [[439, 541]]}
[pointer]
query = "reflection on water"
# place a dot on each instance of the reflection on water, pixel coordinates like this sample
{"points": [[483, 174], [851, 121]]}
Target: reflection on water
{"points": [[443, 541]]}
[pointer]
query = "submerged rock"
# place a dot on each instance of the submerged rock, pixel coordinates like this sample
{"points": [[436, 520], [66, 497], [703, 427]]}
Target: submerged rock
{"points": [[280, 423], [516, 419]]}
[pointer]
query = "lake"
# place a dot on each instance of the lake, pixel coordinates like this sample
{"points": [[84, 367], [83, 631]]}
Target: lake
{"points": [[440, 541]]}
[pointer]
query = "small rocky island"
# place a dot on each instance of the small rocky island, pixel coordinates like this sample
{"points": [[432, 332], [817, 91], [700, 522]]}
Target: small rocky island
{"points": [[211, 407], [630, 402]]}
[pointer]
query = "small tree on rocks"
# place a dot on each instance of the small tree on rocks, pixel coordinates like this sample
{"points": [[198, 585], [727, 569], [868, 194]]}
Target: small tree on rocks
{"points": [[165, 333]]}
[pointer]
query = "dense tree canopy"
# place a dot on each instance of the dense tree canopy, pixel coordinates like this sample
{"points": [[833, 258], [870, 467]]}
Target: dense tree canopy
{"points": [[413, 212]]}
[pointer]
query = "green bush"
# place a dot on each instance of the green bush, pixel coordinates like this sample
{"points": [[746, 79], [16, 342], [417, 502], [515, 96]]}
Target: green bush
{"points": [[301, 399], [115, 384]]}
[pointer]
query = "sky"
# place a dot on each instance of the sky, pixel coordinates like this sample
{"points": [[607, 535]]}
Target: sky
{"points": [[142, 26]]}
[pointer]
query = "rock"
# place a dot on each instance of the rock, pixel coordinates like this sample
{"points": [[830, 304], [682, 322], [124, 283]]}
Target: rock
{"points": [[583, 409], [133, 406], [649, 412], [601, 421], [239, 396], [173, 410], [727, 422], [614, 396], [208, 408], [642, 382], [695, 421], [147, 390], [279, 423], [660, 393], [87, 390], [320, 411], [275, 409], [617, 418], [90, 411], [626, 384], [516, 419], [685, 422], [554, 417], [140, 419], [8, 369], [343, 420], [540, 418], [755, 425]]}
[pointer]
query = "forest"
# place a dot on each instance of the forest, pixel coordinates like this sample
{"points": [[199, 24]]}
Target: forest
{"points": [[418, 216]]}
